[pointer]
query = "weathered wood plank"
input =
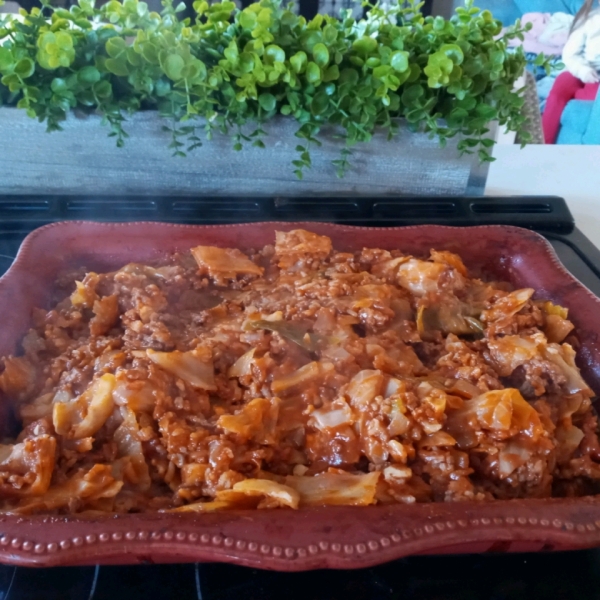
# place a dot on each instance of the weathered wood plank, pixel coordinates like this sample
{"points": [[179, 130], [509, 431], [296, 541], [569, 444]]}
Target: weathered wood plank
{"points": [[82, 159]]}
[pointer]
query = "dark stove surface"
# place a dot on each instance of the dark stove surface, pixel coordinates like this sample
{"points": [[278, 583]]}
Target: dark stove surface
{"points": [[552, 576], [541, 576]]}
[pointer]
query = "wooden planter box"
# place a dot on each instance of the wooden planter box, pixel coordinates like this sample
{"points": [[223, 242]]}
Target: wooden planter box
{"points": [[83, 160]]}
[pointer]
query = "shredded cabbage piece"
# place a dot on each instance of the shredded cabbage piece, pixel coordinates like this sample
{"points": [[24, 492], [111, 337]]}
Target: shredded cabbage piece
{"points": [[18, 377], [508, 305], [555, 310], [557, 328], [504, 412], [281, 495], [364, 386], [139, 396], [26, 468], [513, 456], [83, 487], [195, 366], [564, 357], [106, 314], [449, 258], [335, 489], [129, 445], [420, 276], [225, 262], [249, 493], [311, 372], [243, 365], [85, 415], [39, 408], [85, 295], [256, 420], [299, 244], [512, 351]]}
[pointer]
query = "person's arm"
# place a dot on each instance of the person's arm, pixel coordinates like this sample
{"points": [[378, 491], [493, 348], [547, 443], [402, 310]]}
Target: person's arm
{"points": [[574, 59]]}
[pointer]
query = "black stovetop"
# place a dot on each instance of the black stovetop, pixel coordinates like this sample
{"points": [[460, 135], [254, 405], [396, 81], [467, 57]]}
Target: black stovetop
{"points": [[542, 576]]}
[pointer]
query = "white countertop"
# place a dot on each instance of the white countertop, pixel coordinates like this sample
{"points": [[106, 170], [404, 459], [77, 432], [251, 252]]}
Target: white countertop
{"points": [[572, 172]]}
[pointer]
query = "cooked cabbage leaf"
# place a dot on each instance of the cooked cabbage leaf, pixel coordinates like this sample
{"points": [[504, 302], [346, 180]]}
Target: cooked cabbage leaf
{"points": [[331, 489], [84, 416], [195, 366], [224, 262]]}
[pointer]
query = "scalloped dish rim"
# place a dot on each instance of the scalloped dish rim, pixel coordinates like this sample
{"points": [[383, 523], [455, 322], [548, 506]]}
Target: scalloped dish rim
{"points": [[280, 539]]}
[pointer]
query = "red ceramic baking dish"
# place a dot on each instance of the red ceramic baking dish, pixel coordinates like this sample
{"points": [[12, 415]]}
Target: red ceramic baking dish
{"points": [[286, 540]]}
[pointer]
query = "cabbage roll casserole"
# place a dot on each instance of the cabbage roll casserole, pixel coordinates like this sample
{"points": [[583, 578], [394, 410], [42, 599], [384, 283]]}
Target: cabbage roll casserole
{"points": [[293, 376]]}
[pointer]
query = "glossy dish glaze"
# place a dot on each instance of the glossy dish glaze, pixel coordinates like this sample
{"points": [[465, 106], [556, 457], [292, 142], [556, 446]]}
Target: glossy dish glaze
{"points": [[334, 537]]}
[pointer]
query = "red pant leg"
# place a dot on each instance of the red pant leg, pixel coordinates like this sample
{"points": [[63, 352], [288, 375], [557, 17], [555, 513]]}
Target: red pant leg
{"points": [[564, 89], [588, 92]]}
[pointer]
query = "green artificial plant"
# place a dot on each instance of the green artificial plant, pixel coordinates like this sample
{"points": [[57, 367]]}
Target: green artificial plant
{"points": [[232, 70]]}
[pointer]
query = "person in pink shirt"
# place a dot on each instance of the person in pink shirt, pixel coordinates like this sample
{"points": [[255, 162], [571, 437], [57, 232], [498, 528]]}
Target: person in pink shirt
{"points": [[580, 81]]}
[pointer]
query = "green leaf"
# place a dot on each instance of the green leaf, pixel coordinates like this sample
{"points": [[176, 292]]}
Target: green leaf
{"points": [[88, 75], [172, 65], [313, 73], [349, 76], [58, 85], [332, 73], [298, 61], [468, 103], [364, 45], [64, 40], [486, 111], [321, 55], [115, 46], [25, 68], [319, 104], [274, 54], [382, 71], [150, 53], [267, 101], [454, 53], [117, 66], [247, 19], [6, 59], [162, 87], [231, 52], [103, 89], [381, 91], [457, 116], [497, 58], [264, 16], [246, 62], [399, 61], [310, 38]]}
